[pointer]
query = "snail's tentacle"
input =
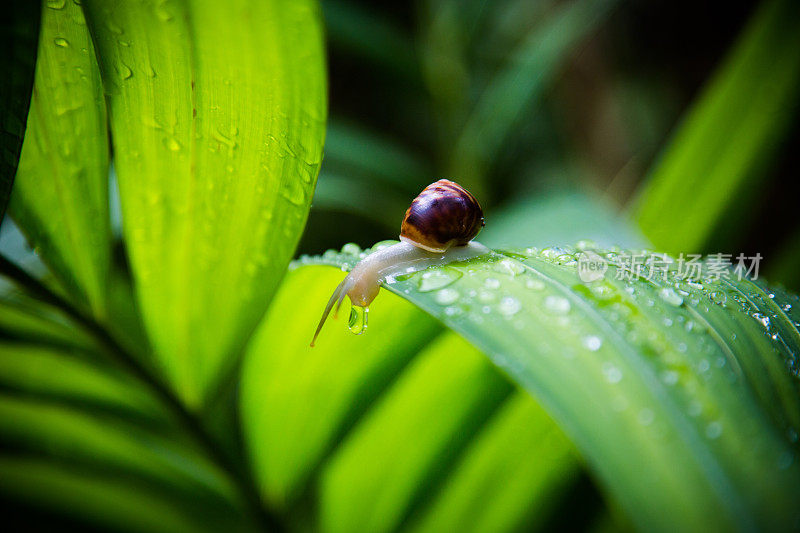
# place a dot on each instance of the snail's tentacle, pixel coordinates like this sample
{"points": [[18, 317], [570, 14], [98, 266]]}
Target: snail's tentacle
{"points": [[337, 294], [344, 289]]}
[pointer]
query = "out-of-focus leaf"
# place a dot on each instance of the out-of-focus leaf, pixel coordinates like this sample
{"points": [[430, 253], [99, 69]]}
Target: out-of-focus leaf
{"points": [[311, 412], [217, 113], [60, 198], [351, 149], [716, 156], [785, 267], [19, 31], [95, 443], [101, 500], [558, 217], [520, 83], [24, 318], [109, 443], [363, 33], [512, 470], [337, 192], [408, 427], [72, 378], [685, 389]]}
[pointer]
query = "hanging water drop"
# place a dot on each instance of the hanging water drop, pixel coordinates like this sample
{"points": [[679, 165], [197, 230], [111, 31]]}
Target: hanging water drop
{"points": [[357, 322]]}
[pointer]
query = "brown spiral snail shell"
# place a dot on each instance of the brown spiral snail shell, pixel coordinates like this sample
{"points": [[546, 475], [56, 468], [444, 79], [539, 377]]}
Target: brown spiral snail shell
{"points": [[444, 214], [437, 229]]}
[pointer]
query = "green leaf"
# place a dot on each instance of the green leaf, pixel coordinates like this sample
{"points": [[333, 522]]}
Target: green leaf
{"points": [[72, 377], [358, 30], [560, 216], [98, 499], [717, 154], [217, 114], [356, 150], [309, 414], [60, 198], [521, 82], [514, 469], [22, 317], [19, 31], [687, 389]]}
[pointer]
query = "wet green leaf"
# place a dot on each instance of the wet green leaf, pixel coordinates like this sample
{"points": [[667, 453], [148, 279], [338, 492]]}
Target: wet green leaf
{"points": [[716, 157], [531, 67], [217, 114], [60, 197], [687, 388]]}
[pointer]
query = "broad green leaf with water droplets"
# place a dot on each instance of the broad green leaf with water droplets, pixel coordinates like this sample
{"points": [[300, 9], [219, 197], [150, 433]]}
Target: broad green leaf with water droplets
{"points": [[217, 115], [680, 393], [319, 422], [717, 155], [60, 196]]}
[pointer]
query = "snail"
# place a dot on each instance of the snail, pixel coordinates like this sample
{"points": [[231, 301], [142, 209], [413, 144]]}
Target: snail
{"points": [[437, 229]]}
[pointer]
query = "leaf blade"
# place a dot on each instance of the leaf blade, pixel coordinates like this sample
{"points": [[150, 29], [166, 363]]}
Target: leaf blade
{"points": [[215, 177], [715, 156], [60, 198], [648, 384]]}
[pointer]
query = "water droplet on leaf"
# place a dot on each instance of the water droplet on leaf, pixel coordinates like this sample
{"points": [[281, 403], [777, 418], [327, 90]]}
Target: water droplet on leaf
{"points": [[557, 304], [446, 296], [437, 279]]}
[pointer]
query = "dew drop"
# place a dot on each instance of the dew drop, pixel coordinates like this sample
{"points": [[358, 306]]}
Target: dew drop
{"points": [[534, 284], [646, 417], [61, 42], [713, 430], [612, 373], [172, 144], [437, 279], [492, 283], [592, 342], [124, 71], [718, 297], [358, 319], [763, 319], [446, 296], [670, 297], [509, 267], [486, 297], [351, 248], [557, 305], [670, 377], [509, 306], [452, 311]]}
